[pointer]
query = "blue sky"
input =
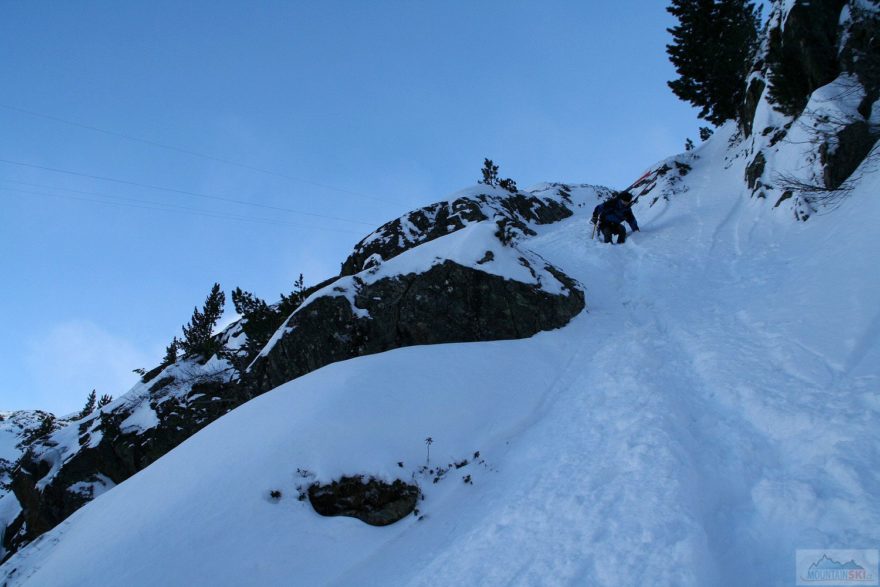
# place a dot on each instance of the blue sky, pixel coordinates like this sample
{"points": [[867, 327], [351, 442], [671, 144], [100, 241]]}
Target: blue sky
{"points": [[360, 111]]}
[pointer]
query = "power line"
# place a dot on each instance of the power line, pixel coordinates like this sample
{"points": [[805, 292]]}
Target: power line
{"points": [[184, 192], [196, 154], [147, 205]]}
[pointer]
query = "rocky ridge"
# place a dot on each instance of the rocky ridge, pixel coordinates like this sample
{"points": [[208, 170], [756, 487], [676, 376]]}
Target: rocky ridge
{"points": [[453, 272]]}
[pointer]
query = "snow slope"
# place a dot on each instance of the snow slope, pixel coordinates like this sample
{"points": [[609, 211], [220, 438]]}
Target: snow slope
{"points": [[714, 410]]}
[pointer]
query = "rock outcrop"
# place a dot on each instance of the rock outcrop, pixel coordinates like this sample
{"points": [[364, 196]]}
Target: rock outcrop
{"points": [[447, 303], [513, 211], [812, 96], [429, 299], [370, 500]]}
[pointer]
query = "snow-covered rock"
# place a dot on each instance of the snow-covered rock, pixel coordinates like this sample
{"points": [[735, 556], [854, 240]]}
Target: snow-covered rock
{"points": [[443, 282]]}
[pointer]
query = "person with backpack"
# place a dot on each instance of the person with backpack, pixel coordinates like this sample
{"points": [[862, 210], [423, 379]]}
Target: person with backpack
{"points": [[610, 215]]}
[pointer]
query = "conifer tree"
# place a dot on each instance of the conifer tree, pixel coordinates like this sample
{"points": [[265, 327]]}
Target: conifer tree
{"points": [[490, 177], [490, 173], [105, 399], [91, 403], [712, 48], [293, 301], [259, 319], [197, 335], [171, 352]]}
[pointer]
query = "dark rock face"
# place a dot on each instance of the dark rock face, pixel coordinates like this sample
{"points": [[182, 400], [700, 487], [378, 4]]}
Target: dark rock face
{"points": [[803, 55], [444, 218], [860, 54], [755, 170], [853, 143], [372, 501], [117, 456], [447, 303], [750, 106]]}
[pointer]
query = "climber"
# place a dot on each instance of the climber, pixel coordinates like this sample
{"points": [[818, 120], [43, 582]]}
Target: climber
{"points": [[610, 214]]}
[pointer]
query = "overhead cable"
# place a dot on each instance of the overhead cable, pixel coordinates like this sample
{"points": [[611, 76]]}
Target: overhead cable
{"points": [[185, 192], [148, 205], [197, 154]]}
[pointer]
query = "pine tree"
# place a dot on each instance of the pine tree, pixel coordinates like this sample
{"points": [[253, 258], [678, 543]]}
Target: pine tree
{"points": [[705, 133], [490, 177], [91, 402], [171, 352], [105, 399], [259, 319], [293, 301], [712, 48], [688, 145], [490, 173], [197, 335]]}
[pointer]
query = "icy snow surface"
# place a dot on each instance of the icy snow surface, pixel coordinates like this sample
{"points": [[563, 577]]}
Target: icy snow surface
{"points": [[716, 409]]}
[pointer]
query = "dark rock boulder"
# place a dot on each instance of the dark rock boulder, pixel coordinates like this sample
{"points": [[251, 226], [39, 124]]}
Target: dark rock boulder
{"points": [[841, 156], [372, 501], [803, 54], [755, 170], [447, 303]]}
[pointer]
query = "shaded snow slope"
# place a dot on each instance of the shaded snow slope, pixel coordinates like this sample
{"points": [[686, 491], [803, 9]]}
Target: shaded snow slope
{"points": [[715, 410]]}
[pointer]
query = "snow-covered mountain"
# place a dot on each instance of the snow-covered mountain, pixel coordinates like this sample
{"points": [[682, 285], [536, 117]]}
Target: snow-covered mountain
{"points": [[712, 408]]}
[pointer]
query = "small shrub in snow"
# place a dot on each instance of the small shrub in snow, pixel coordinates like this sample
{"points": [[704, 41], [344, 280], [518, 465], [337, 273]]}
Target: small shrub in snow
{"points": [[47, 426], [490, 177], [507, 184], [428, 442]]}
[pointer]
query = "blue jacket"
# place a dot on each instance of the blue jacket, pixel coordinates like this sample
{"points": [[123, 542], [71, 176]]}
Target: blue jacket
{"points": [[614, 211]]}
